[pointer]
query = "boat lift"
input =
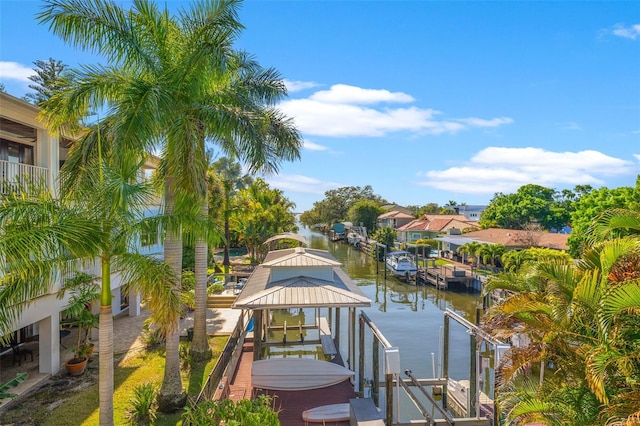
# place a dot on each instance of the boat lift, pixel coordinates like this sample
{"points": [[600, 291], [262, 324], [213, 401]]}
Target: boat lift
{"points": [[391, 371]]}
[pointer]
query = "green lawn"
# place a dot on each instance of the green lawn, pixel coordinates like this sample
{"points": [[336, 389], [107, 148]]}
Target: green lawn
{"points": [[82, 407]]}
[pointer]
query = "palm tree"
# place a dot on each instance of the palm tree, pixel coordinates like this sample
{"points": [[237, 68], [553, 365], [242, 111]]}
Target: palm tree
{"points": [[263, 212], [471, 250], [230, 174], [177, 82], [490, 252], [579, 316], [102, 209]]}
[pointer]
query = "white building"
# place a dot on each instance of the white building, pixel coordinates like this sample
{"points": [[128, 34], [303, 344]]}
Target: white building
{"points": [[29, 152]]}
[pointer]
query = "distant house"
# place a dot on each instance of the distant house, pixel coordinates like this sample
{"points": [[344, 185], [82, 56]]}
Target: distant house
{"points": [[512, 239], [472, 213], [394, 219], [430, 226], [396, 208]]}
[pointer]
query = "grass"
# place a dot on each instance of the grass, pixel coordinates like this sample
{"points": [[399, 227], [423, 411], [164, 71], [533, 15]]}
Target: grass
{"points": [[81, 406]]}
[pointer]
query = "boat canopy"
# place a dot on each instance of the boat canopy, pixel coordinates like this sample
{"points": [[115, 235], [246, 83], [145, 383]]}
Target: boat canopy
{"points": [[397, 253], [298, 278], [287, 236]]}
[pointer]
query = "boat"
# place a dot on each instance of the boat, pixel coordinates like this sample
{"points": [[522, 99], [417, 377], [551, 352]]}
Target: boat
{"points": [[327, 413], [401, 264], [353, 238], [291, 374]]}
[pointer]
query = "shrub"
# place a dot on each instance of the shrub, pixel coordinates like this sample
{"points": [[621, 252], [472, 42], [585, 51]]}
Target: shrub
{"points": [[151, 334], [257, 412], [142, 410]]}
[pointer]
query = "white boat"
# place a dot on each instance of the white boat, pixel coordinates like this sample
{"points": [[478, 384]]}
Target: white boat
{"points": [[297, 374], [353, 238], [327, 413], [401, 264]]}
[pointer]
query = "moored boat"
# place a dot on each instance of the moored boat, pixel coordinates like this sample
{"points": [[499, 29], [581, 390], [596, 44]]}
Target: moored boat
{"points": [[297, 374], [401, 264]]}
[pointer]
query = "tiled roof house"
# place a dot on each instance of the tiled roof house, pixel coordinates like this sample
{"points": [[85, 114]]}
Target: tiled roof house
{"points": [[512, 239], [430, 226], [394, 219]]}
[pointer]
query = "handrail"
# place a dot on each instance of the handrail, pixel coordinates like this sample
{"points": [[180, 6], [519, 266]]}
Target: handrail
{"points": [[374, 329], [211, 384]]}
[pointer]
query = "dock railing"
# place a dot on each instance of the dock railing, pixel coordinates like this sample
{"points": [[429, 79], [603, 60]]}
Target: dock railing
{"points": [[227, 361], [381, 344]]}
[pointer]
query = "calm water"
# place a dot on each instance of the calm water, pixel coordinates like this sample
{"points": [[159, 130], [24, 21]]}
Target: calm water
{"points": [[409, 316]]}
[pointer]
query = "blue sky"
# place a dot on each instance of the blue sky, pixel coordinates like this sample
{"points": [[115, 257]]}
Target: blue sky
{"points": [[429, 101]]}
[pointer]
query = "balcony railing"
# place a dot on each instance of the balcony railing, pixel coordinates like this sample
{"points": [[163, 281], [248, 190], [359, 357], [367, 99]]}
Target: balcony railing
{"points": [[15, 175]]}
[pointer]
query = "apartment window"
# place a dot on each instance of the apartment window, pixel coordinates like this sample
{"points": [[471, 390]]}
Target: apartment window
{"points": [[14, 152], [149, 237]]}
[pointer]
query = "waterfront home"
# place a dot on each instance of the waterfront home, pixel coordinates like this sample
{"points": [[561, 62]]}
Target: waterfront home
{"points": [[431, 226], [512, 239], [30, 154], [394, 219]]}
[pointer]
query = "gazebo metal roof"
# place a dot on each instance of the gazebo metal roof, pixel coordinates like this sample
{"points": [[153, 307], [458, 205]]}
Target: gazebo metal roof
{"points": [[300, 290]]}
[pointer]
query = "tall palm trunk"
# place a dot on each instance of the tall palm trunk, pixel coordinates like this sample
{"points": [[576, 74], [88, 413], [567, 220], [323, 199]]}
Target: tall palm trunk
{"points": [[171, 396], [226, 261], [105, 346], [200, 349]]}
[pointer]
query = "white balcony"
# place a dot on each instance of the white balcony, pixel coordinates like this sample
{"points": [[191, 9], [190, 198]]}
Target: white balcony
{"points": [[16, 175]]}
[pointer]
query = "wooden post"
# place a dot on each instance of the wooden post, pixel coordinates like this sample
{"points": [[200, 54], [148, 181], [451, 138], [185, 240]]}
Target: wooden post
{"points": [[473, 375], [338, 329], [445, 360], [352, 335], [257, 334], [376, 371], [388, 383], [361, 358]]}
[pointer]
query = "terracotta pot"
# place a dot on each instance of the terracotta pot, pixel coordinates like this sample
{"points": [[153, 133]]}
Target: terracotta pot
{"points": [[92, 346], [76, 366]]}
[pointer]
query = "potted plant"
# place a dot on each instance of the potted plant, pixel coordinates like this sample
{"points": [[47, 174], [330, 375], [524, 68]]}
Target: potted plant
{"points": [[83, 290]]}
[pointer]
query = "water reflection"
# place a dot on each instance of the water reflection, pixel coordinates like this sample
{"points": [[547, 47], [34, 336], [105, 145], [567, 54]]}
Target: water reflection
{"points": [[410, 317]]}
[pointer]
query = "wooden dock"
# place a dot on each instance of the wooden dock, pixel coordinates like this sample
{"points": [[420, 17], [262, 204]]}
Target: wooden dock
{"points": [[445, 276]]}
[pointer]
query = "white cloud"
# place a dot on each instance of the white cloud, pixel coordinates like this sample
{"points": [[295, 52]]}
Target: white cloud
{"points": [[344, 94], [15, 71], [481, 122], [296, 86], [632, 32], [570, 125], [637, 157], [348, 111], [314, 146], [498, 169], [301, 184]]}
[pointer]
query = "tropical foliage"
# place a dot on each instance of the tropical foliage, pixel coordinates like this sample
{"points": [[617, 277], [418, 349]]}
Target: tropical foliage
{"points": [[365, 213], [174, 83], [257, 412], [335, 205], [512, 260], [98, 216], [581, 320], [530, 203], [594, 203], [262, 213]]}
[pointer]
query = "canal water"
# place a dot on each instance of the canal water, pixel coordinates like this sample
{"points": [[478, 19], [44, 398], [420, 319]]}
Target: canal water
{"points": [[410, 317]]}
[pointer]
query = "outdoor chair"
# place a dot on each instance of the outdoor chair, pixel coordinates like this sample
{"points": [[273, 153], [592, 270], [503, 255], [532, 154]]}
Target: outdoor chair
{"points": [[20, 353]]}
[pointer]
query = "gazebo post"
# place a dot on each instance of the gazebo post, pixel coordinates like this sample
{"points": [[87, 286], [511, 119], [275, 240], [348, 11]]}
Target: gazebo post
{"points": [[352, 338], [338, 329], [257, 334]]}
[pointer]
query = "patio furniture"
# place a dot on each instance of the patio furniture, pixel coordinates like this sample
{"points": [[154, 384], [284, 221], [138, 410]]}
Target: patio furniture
{"points": [[20, 353]]}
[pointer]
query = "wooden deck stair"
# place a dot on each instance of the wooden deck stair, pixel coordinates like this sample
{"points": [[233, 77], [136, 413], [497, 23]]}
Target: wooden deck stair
{"points": [[220, 301]]}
